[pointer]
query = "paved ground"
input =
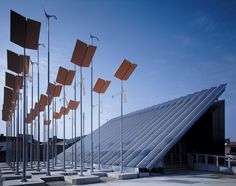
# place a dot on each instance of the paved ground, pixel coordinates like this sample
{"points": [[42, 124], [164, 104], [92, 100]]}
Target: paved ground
{"points": [[188, 178]]}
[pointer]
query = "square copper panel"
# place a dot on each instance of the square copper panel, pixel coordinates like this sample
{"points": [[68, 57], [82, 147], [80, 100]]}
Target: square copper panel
{"points": [[89, 55], [50, 100], [79, 53], [19, 82], [105, 86], [57, 91], [69, 77], [13, 62], [67, 111], [17, 29], [125, 70], [73, 105], [130, 71], [43, 100], [24, 60], [5, 115], [10, 80], [56, 115], [62, 111], [42, 108], [8, 95], [32, 34], [61, 75], [36, 108], [51, 88], [46, 122], [98, 85]]}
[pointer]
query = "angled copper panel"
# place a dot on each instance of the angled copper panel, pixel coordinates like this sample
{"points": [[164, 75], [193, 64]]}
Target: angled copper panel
{"points": [[69, 77], [32, 34], [5, 115], [50, 100], [130, 71], [124, 67], [105, 86], [56, 115], [19, 82], [42, 108], [43, 100], [24, 60], [79, 53], [73, 105], [17, 29], [13, 62], [98, 85], [46, 122], [67, 111], [89, 55], [62, 111], [61, 75], [51, 88], [8, 95], [57, 91], [36, 108], [29, 118], [10, 80]]}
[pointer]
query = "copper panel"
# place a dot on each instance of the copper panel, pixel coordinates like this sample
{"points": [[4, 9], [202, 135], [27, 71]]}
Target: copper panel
{"points": [[69, 77], [42, 108], [56, 115], [8, 95], [61, 75], [98, 85], [79, 53], [50, 100], [29, 118], [67, 111], [129, 72], [62, 110], [51, 88], [57, 91], [32, 34], [46, 122], [89, 55], [73, 105], [19, 82], [13, 62], [5, 115], [105, 86], [43, 100], [17, 29], [36, 108], [124, 67], [10, 80], [24, 60]]}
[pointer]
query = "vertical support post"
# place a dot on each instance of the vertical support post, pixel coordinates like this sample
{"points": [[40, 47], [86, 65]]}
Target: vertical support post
{"points": [[17, 133], [31, 128], [99, 132], [53, 160], [72, 133], [81, 124], [48, 160], [13, 140], [55, 135], [91, 114], [75, 117], [24, 120], [38, 110], [64, 125], [121, 131]]}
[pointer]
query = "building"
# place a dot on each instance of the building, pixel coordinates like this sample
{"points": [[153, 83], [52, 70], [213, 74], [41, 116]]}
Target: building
{"points": [[161, 136]]}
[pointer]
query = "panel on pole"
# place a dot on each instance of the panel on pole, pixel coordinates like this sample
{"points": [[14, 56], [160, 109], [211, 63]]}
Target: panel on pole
{"points": [[8, 95], [98, 85], [32, 34], [56, 115], [5, 115], [89, 55], [73, 105], [13, 62], [125, 70], [46, 122], [57, 91], [10, 80], [61, 75], [24, 60], [17, 29], [69, 78], [19, 82], [52, 89], [43, 102], [29, 118], [79, 53]]}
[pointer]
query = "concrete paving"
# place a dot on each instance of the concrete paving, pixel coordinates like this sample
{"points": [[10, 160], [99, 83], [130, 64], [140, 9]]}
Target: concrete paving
{"points": [[122, 176], [81, 180], [98, 173], [13, 176], [30, 182]]}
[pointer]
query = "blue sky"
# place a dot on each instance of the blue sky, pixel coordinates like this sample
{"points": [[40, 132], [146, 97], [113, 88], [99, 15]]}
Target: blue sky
{"points": [[180, 47]]}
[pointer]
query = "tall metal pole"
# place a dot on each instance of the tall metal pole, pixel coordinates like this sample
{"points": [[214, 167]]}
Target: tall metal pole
{"points": [[72, 133], [53, 134], [48, 19], [31, 128], [81, 125], [99, 138], [64, 125], [44, 140], [24, 121], [75, 118], [121, 131], [17, 131], [13, 145]]}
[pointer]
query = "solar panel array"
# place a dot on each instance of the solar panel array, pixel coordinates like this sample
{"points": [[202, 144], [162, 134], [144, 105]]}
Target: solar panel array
{"points": [[149, 133]]}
